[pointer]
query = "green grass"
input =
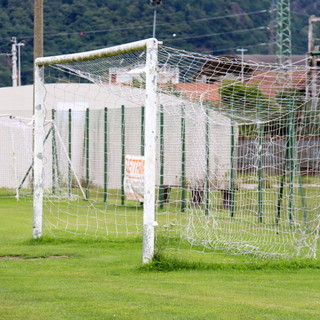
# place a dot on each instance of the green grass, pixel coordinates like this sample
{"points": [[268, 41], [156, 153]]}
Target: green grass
{"points": [[105, 280]]}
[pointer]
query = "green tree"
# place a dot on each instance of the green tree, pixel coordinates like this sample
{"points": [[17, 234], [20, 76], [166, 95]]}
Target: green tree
{"points": [[245, 103]]}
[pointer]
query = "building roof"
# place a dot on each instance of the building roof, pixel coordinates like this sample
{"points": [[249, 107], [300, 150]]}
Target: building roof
{"points": [[271, 58], [195, 91]]}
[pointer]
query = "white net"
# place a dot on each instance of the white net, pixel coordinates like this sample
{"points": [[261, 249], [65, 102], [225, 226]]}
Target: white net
{"points": [[16, 155], [237, 153]]}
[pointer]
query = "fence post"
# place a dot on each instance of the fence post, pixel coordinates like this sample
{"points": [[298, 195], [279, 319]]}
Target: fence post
{"points": [[69, 152], [161, 138], [123, 152], [87, 146], [105, 157], [183, 160]]}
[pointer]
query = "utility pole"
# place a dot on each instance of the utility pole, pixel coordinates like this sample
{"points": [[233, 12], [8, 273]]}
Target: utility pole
{"points": [[155, 3], [20, 44], [283, 32], [283, 40], [37, 43], [13, 44], [37, 32], [38, 29], [272, 27]]}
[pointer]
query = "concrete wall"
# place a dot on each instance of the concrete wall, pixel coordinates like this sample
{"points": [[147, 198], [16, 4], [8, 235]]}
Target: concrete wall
{"points": [[79, 97]]}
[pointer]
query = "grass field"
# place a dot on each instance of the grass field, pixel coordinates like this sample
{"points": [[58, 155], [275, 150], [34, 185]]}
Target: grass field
{"points": [[65, 279]]}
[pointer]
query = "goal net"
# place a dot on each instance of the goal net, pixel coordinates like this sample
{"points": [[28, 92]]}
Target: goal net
{"points": [[16, 156], [188, 151]]}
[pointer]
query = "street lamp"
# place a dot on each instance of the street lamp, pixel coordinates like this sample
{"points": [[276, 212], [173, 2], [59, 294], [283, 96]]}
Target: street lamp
{"points": [[242, 62], [16, 67], [155, 3]]}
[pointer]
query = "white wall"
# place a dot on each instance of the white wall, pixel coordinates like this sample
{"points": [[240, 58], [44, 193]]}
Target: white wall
{"points": [[78, 97]]}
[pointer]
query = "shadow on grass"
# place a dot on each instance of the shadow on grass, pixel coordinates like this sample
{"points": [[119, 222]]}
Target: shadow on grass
{"points": [[80, 241]]}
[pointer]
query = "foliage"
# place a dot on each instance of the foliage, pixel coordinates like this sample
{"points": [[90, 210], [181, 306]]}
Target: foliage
{"points": [[139, 82], [291, 96], [306, 117], [203, 26], [242, 95], [243, 99], [240, 99]]}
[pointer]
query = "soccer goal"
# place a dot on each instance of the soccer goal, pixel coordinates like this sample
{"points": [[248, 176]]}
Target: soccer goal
{"points": [[186, 151]]}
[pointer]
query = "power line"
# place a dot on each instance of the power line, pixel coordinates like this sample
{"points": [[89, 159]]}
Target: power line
{"points": [[215, 34], [300, 14], [61, 34], [180, 22], [247, 46]]}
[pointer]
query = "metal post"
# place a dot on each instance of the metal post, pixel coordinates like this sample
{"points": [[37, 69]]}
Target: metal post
{"points": [[142, 131], [20, 44], [19, 65], [69, 152], [260, 169], [232, 163], [87, 130], [142, 141], [232, 169], [123, 152], [14, 61], [150, 150], [282, 180], [39, 136], [53, 151], [207, 159], [242, 62], [155, 3], [183, 160], [105, 152], [161, 185], [154, 23], [291, 146]]}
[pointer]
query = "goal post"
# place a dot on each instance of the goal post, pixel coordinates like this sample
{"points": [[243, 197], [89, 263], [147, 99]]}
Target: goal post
{"points": [[38, 141], [151, 64], [184, 151], [150, 151]]}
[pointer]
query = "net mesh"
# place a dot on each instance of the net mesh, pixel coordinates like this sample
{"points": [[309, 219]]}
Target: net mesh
{"points": [[16, 155], [237, 153]]}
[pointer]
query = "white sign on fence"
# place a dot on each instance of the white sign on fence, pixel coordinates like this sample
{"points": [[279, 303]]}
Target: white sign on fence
{"points": [[134, 177]]}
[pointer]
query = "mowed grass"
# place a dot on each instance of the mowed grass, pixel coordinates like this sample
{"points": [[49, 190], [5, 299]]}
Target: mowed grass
{"points": [[88, 279]]}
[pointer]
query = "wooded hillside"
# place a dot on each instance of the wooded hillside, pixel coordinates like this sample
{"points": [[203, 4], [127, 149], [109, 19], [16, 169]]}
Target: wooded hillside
{"points": [[217, 27]]}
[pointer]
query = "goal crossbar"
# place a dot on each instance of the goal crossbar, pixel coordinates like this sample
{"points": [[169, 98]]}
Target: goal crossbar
{"points": [[97, 54]]}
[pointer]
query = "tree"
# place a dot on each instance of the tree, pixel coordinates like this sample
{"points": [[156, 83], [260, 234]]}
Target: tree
{"points": [[245, 103]]}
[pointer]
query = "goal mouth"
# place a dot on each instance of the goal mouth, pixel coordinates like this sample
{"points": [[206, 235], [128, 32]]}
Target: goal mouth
{"points": [[214, 153]]}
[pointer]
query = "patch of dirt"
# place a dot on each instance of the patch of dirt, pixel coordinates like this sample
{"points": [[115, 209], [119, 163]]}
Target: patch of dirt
{"points": [[22, 258]]}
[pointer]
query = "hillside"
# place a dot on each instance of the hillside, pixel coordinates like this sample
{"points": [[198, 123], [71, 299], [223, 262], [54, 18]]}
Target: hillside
{"points": [[217, 27]]}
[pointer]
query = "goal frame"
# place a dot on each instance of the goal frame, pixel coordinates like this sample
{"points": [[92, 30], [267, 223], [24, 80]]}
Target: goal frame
{"points": [[151, 103]]}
